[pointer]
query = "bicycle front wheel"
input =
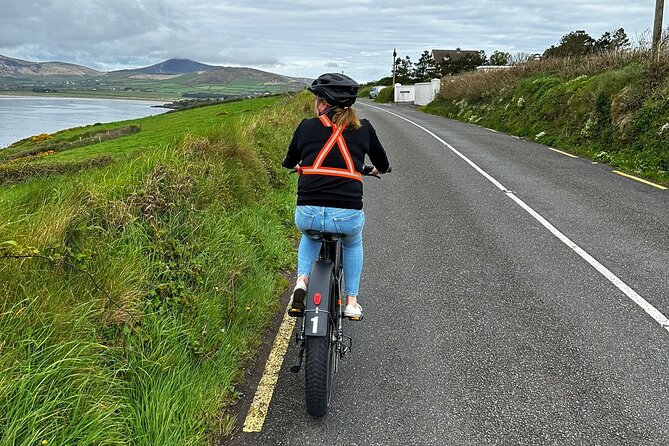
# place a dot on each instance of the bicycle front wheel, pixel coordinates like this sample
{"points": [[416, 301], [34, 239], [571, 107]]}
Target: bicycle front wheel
{"points": [[318, 374]]}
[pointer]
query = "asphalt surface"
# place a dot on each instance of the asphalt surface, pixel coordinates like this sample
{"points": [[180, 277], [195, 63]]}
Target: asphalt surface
{"points": [[481, 327]]}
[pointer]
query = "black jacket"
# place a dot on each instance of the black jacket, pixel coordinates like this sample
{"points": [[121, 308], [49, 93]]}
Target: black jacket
{"points": [[331, 191]]}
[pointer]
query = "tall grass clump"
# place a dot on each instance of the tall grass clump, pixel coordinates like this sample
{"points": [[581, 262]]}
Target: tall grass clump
{"points": [[609, 106], [132, 294], [385, 95], [364, 91]]}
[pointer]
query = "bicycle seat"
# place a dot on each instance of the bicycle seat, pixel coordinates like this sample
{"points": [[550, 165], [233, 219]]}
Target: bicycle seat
{"points": [[320, 236]]}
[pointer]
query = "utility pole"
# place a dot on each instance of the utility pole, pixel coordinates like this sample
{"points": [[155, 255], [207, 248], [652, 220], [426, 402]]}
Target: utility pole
{"points": [[657, 29], [395, 58]]}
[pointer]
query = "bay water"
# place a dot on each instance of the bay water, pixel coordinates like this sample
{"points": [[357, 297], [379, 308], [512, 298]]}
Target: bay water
{"points": [[25, 116]]}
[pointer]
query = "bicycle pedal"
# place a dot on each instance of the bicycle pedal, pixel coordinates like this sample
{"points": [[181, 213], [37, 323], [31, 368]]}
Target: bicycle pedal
{"points": [[294, 312], [355, 318]]}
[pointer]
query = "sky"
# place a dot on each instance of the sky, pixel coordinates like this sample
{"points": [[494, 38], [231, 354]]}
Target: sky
{"points": [[299, 37]]}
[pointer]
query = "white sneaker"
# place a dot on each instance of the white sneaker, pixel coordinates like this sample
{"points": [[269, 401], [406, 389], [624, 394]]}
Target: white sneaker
{"points": [[296, 302], [353, 312]]}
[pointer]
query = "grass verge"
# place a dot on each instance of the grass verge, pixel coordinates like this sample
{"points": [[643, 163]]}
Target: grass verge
{"points": [[609, 107], [132, 292]]}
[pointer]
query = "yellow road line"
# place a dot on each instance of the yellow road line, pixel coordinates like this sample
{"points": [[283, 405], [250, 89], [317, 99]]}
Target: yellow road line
{"points": [[564, 153], [255, 419], [639, 179]]}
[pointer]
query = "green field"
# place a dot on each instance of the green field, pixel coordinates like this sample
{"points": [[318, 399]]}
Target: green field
{"points": [[138, 273], [117, 85]]}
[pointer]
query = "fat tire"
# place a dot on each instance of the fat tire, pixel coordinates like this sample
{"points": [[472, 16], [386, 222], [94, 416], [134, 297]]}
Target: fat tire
{"points": [[318, 374]]}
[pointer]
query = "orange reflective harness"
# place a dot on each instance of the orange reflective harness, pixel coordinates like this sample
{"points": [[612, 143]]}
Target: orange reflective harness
{"points": [[336, 138]]}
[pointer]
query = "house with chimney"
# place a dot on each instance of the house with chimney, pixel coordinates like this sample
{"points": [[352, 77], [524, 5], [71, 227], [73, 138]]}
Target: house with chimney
{"points": [[440, 56]]}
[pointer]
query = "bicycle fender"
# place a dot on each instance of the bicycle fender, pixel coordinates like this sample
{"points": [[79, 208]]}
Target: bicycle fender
{"points": [[317, 312]]}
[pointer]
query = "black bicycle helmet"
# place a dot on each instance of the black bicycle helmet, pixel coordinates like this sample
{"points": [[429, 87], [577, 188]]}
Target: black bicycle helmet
{"points": [[337, 89]]}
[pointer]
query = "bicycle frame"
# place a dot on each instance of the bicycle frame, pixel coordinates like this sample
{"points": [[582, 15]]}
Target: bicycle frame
{"points": [[321, 326], [323, 299]]}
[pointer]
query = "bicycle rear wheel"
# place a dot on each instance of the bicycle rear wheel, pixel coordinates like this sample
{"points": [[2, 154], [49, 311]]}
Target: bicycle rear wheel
{"points": [[318, 369]]}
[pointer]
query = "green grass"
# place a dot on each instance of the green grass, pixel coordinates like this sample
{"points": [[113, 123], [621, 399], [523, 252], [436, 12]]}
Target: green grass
{"points": [[155, 130], [363, 92], [132, 294], [611, 108], [386, 95]]}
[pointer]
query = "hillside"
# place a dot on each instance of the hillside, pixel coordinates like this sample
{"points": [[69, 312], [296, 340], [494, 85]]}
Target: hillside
{"points": [[168, 80], [226, 75], [175, 66], [16, 68], [140, 262], [609, 107]]}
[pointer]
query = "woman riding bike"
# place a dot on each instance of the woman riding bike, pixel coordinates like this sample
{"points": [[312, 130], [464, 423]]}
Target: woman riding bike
{"points": [[329, 153]]}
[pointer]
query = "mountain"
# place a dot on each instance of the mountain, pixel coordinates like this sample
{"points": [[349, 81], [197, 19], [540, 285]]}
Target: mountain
{"points": [[170, 79], [172, 67], [17, 68], [227, 75]]}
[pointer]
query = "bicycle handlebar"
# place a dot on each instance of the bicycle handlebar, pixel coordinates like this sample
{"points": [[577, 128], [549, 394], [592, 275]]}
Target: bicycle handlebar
{"points": [[367, 171]]}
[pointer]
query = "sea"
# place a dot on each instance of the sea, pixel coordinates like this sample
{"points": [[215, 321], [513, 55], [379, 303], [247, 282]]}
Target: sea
{"points": [[25, 116]]}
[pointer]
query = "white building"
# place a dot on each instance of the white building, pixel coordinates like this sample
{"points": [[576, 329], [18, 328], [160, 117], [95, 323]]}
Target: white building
{"points": [[420, 94]]}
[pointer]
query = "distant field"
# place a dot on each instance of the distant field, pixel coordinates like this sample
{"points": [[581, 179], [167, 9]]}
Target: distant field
{"points": [[144, 87], [96, 94]]}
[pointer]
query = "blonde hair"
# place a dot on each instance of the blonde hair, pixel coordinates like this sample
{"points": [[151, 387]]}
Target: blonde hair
{"points": [[344, 117], [347, 117]]}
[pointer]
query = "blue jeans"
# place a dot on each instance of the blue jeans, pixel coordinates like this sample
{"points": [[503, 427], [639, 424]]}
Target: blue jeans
{"points": [[343, 221]]}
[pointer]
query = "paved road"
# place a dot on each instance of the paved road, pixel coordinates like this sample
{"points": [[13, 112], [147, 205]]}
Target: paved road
{"points": [[481, 326]]}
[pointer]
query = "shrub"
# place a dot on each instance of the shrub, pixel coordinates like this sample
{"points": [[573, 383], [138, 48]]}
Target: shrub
{"points": [[386, 95]]}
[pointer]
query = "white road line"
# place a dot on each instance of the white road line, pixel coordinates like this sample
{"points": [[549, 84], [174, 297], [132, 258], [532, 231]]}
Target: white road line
{"points": [[615, 280]]}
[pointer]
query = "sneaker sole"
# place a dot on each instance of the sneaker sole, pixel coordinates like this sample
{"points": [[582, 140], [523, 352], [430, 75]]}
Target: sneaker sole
{"points": [[297, 309]]}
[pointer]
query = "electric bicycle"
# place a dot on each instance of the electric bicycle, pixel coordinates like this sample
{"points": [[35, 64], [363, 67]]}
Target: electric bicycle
{"points": [[321, 336]]}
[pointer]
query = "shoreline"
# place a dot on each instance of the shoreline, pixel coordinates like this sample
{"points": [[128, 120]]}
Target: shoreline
{"points": [[14, 95], [31, 115]]}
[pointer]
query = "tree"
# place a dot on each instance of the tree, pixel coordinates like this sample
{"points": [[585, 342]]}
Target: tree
{"points": [[619, 40], [576, 43], [579, 43], [426, 68], [523, 57], [462, 64], [604, 42], [388, 80], [403, 70], [500, 58], [482, 59]]}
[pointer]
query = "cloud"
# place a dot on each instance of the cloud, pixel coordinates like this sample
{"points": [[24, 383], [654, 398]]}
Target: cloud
{"points": [[296, 37]]}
